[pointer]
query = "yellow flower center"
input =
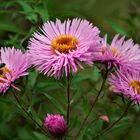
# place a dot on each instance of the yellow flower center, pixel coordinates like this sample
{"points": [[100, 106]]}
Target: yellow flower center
{"points": [[114, 51], [3, 72], [103, 50], [64, 43], [136, 85]]}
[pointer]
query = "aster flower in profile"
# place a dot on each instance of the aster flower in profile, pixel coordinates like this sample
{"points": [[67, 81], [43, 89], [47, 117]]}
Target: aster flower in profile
{"points": [[63, 46], [124, 55], [13, 64], [56, 125], [127, 84]]}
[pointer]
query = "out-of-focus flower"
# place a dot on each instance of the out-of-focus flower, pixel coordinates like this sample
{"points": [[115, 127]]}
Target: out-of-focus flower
{"points": [[62, 46], [13, 64], [121, 54], [56, 125], [127, 84]]}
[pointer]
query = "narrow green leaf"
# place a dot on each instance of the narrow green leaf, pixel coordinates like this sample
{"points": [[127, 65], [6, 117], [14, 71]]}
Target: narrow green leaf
{"points": [[55, 103], [118, 28]]}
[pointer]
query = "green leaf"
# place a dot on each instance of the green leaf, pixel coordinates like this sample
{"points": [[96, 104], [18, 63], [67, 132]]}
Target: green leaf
{"points": [[28, 11], [25, 134], [43, 12], [32, 78], [85, 105], [56, 103], [10, 28], [95, 74], [40, 136], [118, 28]]}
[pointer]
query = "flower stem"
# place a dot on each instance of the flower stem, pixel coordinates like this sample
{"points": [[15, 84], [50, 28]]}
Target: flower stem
{"points": [[68, 99], [28, 114], [114, 123], [129, 129], [93, 105]]}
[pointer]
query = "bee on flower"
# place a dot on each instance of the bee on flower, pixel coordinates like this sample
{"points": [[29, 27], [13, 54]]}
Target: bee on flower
{"points": [[13, 65]]}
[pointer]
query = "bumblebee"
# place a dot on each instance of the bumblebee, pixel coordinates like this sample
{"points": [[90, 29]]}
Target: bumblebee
{"points": [[2, 65]]}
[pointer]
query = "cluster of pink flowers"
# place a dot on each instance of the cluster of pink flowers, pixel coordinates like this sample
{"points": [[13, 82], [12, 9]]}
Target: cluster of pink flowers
{"points": [[124, 56], [61, 47], [121, 54]]}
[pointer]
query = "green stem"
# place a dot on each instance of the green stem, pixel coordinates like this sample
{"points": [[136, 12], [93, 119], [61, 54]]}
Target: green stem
{"points": [[130, 128], [114, 123], [93, 105], [68, 99], [28, 114]]}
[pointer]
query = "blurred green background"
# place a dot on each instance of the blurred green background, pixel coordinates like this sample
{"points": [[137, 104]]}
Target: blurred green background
{"points": [[18, 20]]}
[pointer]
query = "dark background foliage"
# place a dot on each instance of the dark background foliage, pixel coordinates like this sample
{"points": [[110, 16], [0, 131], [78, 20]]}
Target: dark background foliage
{"points": [[18, 20]]}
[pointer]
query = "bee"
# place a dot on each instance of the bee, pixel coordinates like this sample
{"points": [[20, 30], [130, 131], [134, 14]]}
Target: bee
{"points": [[2, 65]]}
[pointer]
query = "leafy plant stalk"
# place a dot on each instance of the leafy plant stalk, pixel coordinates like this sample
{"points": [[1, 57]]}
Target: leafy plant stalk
{"points": [[28, 114], [68, 99], [93, 105], [115, 122]]}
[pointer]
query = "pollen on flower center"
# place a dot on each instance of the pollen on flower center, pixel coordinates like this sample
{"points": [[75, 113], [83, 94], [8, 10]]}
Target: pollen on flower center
{"points": [[136, 85], [64, 43], [113, 50], [103, 50]]}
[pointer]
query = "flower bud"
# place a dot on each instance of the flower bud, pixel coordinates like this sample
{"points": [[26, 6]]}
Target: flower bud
{"points": [[56, 125]]}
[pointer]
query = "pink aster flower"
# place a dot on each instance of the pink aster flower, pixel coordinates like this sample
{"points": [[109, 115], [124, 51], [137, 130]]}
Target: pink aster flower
{"points": [[126, 83], [122, 54], [13, 64], [62, 46], [56, 125]]}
